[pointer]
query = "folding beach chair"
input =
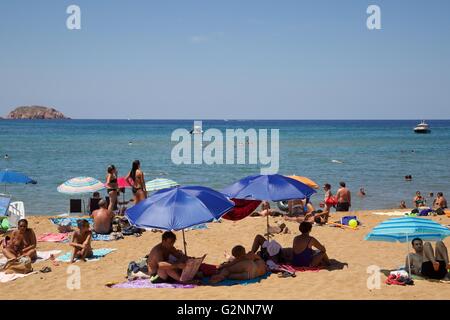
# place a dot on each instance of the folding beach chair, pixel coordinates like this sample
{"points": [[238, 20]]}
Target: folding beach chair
{"points": [[5, 200], [75, 206], [16, 212]]}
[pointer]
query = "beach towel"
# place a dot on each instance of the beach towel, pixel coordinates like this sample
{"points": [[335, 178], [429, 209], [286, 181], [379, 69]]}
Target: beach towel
{"points": [[53, 237], [41, 256], [229, 282], [290, 267], [97, 254], [13, 276], [146, 283], [197, 227], [391, 213], [73, 221], [101, 237]]}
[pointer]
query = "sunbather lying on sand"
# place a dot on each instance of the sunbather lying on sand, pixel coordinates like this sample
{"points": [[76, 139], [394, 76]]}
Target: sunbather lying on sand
{"points": [[159, 263], [243, 267], [81, 242], [266, 210]]}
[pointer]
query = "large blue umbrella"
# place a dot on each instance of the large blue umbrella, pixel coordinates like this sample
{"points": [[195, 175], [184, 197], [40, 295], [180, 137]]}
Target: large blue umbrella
{"points": [[179, 208], [407, 228], [274, 187], [8, 176]]}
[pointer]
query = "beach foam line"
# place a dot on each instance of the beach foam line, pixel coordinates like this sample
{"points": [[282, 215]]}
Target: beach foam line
{"points": [[391, 213]]}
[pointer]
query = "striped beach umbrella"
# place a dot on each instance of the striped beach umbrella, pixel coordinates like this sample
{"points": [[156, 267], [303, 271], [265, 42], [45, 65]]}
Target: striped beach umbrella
{"points": [[407, 228], [80, 185], [160, 183]]}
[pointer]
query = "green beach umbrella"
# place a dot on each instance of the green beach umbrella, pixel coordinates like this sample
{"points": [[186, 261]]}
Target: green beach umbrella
{"points": [[160, 183]]}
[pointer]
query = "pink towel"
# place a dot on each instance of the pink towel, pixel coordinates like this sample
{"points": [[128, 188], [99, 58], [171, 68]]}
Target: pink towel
{"points": [[53, 237]]}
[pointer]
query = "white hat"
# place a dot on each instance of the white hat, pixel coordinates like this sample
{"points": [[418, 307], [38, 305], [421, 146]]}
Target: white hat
{"points": [[273, 247]]}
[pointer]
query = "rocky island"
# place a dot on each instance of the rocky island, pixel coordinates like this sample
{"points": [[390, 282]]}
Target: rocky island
{"points": [[35, 112]]}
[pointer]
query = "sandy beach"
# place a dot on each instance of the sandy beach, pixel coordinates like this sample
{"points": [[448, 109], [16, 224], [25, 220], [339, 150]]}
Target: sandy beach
{"points": [[344, 245]]}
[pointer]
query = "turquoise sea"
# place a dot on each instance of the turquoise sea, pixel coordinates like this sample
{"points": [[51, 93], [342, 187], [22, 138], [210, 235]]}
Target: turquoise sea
{"points": [[375, 155]]}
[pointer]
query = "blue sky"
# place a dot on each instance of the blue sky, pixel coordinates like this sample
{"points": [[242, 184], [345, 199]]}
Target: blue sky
{"points": [[229, 59]]}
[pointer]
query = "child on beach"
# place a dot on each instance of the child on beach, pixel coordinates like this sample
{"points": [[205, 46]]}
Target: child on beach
{"points": [[81, 241]]}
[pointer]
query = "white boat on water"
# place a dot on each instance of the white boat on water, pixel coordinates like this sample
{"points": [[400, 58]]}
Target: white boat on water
{"points": [[422, 127]]}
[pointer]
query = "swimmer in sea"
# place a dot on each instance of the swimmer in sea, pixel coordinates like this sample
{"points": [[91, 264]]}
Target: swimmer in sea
{"points": [[6, 157]]}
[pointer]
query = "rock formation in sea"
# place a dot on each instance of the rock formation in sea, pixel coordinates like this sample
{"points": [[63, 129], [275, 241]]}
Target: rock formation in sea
{"points": [[35, 112]]}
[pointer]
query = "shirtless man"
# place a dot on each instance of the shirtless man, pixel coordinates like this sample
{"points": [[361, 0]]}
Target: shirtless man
{"points": [[103, 218], [303, 255], [159, 262], [425, 262], [440, 202], [344, 200], [22, 242], [243, 267], [81, 242], [267, 211]]}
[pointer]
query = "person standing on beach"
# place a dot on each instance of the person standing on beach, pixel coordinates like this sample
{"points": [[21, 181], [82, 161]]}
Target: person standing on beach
{"points": [[112, 187], [344, 200], [136, 178]]}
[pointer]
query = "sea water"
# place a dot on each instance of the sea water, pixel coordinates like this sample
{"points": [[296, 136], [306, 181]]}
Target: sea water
{"points": [[375, 155]]}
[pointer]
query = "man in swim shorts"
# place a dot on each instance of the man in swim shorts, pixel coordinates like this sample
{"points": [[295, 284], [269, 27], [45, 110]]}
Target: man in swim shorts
{"points": [[426, 262], [344, 200]]}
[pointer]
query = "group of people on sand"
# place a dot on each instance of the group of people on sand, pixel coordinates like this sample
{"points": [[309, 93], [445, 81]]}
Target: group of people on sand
{"points": [[300, 210], [165, 263], [438, 205]]}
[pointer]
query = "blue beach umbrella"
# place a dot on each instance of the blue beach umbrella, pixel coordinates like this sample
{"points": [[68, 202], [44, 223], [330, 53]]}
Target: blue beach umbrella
{"points": [[407, 228], [179, 208], [274, 187], [8, 176]]}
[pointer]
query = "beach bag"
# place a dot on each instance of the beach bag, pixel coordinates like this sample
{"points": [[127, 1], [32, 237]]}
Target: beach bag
{"points": [[19, 265], [331, 201], [346, 219], [425, 212]]}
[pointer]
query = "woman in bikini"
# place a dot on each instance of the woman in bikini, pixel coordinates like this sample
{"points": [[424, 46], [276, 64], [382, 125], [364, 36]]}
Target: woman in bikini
{"points": [[303, 254], [21, 243], [418, 200], [243, 267], [112, 187], [136, 178]]}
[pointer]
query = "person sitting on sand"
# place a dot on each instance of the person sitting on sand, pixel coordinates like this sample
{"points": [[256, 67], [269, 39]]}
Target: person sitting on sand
{"points": [[22, 242], [303, 255], [266, 211], [243, 267], [344, 200], [418, 200], [165, 261], [103, 218], [440, 203], [81, 241], [271, 250], [426, 262], [300, 210]]}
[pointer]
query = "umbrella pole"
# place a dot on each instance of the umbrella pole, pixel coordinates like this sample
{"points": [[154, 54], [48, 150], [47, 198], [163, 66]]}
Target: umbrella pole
{"points": [[268, 235], [184, 243], [409, 262]]}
